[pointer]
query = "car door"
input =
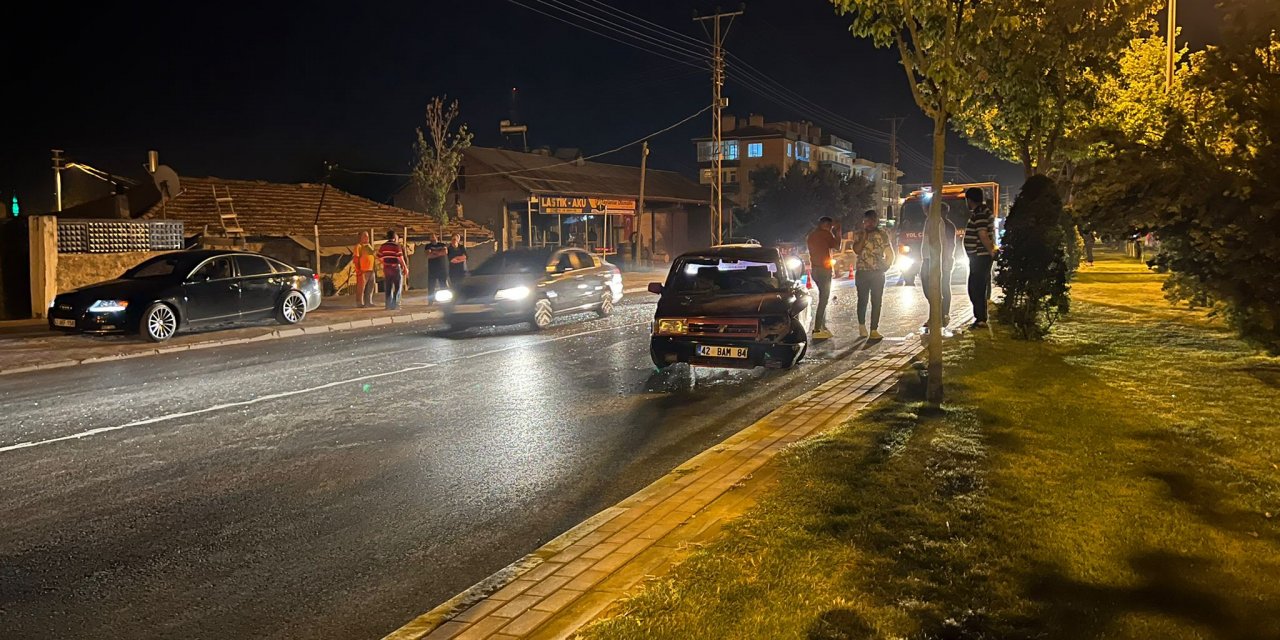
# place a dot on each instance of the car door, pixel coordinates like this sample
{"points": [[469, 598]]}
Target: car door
{"points": [[259, 287], [588, 280], [212, 292], [561, 284]]}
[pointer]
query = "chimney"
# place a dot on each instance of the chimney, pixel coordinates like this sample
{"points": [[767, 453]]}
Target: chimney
{"points": [[816, 131], [153, 161], [755, 120], [729, 123]]}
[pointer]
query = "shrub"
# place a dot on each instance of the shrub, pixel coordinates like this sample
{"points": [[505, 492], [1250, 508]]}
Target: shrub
{"points": [[1033, 267]]}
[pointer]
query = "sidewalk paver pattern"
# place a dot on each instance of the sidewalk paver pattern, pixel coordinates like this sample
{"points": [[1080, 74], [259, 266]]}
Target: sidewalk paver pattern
{"points": [[561, 587]]}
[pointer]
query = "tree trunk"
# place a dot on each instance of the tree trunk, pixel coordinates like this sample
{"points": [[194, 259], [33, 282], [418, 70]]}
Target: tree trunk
{"points": [[933, 231]]}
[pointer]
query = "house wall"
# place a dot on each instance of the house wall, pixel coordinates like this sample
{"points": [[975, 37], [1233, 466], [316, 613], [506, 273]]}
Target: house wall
{"points": [[80, 269]]}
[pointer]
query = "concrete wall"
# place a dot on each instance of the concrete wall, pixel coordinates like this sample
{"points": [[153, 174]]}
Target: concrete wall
{"points": [[79, 269], [42, 242]]}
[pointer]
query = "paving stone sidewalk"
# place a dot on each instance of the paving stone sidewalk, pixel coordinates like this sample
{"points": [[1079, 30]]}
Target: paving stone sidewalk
{"points": [[29, 345], [556, 590]]}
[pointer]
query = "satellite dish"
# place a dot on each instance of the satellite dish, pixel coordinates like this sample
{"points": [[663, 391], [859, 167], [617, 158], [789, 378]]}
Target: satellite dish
{"points": [[167, 184]]}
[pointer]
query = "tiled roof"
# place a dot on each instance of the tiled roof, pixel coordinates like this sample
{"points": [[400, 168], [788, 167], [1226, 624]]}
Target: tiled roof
{"points": [[549, 175], [274, 209]]}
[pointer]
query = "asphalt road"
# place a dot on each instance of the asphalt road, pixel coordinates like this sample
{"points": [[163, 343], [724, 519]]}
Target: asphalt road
{"points": [[336, 486]]}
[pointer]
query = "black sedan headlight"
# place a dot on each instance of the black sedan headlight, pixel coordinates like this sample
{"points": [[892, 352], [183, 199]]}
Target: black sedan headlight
{"points": [[108, 306]]}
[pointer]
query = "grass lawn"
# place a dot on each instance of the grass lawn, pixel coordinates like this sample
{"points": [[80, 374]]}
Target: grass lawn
{"points": [[1120, 480]]}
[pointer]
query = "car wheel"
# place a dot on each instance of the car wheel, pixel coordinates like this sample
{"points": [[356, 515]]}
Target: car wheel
{"points": [[292, 308], [606, 305], [542, 314], [159, 322]]}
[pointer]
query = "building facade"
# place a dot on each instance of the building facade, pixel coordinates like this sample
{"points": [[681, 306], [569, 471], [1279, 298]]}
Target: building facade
{"points": [[888, 192], [751, 143]]}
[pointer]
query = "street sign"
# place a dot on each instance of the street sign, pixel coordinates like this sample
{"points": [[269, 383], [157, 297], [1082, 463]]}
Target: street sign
{"points": [[589, 206]]}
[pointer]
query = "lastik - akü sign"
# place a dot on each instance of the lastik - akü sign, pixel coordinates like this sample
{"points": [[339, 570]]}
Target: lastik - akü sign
{"points": [[588, 206]]}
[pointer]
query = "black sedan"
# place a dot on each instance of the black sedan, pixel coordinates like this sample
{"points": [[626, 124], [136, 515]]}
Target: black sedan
{"points": [[534, 286], [731, 306], [189, 289]]}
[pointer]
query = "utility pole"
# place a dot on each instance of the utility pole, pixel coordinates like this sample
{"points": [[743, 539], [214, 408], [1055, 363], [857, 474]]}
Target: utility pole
{"points": [[718, 103], [315, 225], [1171, 40], [893, 165], [653, 220], [58, 166]]}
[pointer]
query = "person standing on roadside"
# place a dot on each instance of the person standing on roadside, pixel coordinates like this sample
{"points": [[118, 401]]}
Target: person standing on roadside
{"points": [[980, 244], [363, 259], [875, 256], [395, 269], [457, 253], [949, 233], [437, 267], [822, 241]]}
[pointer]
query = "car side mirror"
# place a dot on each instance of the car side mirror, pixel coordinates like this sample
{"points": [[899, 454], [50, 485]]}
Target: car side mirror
{"points": [[655, 287]]}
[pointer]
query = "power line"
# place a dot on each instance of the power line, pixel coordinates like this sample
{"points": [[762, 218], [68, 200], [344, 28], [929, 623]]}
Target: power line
{"points": [[636, 32], [550, 166]]}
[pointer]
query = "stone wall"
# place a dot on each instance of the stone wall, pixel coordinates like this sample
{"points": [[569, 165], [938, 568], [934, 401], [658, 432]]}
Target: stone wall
{"points": [[79, 269]]}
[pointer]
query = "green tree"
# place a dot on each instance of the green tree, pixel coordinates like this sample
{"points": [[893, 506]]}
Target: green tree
{"points": [[785, 206], [1041, 79], [1034, 263], [1201, 176], [936, 42], [438, 154]]}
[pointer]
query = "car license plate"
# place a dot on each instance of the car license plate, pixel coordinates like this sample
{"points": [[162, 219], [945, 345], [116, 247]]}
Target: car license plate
{"points": [[59, 322], [470, 308], [711, 351]]}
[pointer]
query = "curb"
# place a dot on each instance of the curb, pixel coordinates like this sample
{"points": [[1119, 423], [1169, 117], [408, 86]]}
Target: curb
{"points": [[440, 617], [274, 335]]}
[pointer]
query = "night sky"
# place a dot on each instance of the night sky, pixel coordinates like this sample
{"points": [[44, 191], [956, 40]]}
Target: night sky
{"points": [[265, 91]]}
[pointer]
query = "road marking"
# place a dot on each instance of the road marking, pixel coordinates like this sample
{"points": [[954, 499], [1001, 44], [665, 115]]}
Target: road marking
{"points": [[285, 394]]}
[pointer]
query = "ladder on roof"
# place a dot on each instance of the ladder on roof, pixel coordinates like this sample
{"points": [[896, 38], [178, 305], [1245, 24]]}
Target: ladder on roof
{"points": [[230, 223]]}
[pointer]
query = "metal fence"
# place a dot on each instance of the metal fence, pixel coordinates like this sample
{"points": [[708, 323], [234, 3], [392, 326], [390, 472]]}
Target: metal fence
{"points": [[119, 236]]}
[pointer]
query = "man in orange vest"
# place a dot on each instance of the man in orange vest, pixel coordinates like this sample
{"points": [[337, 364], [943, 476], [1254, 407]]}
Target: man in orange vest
{"points": [[363, 258]]}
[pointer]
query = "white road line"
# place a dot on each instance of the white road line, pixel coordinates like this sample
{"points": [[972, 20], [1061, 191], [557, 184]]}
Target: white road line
{"points": [[286, 394]]}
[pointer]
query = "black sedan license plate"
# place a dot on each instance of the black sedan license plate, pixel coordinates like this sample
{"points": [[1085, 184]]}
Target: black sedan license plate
{"points": [[711, 351], [60, 322]]}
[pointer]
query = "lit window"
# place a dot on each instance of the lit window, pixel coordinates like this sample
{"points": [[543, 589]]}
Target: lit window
{"points": [[731, 176], [705, 176], [802, 151], [731, 150], [755, 150], [788, 149]]}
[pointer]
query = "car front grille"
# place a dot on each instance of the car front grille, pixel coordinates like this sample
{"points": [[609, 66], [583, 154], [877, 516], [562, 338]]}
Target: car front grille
{"points": [[724, 327]]}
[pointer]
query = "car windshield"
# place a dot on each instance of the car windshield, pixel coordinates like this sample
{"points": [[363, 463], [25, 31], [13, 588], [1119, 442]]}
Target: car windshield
{"points": [[513, 262], [157, 267], [724, 275]]}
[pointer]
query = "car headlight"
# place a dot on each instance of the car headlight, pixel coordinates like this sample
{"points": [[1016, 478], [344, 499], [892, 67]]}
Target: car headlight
{"points": [[905, 249], [795, 263], [514, 293], [108, 306], [444, 295], [673, 326], [905, 263]]}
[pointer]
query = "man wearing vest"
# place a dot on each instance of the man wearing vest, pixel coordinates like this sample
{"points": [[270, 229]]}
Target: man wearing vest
{"points": [[363, 258], [980, 244], [395, 270]]}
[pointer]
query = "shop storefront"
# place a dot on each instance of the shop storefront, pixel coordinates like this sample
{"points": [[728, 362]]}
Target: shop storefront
{"points": [[603, 226]]}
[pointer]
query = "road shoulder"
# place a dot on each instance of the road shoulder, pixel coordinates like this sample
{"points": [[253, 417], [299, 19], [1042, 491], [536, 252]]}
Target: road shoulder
{"points": [[570, 581]]}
